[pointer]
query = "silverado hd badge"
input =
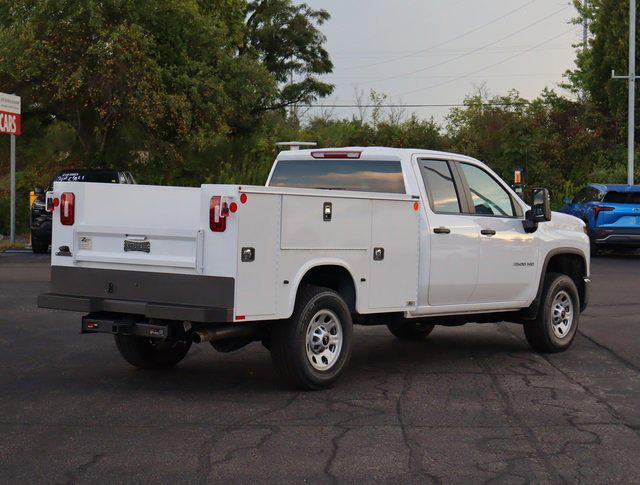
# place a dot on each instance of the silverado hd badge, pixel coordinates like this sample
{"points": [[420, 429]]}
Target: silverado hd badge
{"points": [[137, 245]]}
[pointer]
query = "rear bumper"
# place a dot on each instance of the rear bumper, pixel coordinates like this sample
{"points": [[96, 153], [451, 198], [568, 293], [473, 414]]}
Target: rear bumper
{"points": [[629, 236], [152, 295]]}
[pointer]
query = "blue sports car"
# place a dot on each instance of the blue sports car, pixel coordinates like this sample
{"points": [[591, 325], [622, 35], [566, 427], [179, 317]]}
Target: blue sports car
{"points": [[611, 212]]}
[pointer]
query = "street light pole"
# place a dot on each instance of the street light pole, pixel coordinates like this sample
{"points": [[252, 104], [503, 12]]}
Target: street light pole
{"points": [[585, 25], [631, 77], [632, 91]]}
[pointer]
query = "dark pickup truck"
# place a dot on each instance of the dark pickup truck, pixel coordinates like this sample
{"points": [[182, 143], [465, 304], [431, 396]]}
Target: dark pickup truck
{"points": [[40, 218]]}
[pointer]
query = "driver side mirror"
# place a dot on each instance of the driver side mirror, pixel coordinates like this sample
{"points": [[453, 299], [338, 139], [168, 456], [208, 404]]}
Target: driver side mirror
{"points": [[540, 210], [541, 206], [38, 191]]}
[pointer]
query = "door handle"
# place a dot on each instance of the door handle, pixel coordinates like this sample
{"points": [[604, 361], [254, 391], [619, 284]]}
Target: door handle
{"points": [[488, 232], [442, 230]]}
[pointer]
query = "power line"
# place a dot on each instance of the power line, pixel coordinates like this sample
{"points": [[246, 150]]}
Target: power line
{"points": [[469, 74], [437, 105], [490, 44], [451, 76], [464, 34], [448, 52]]}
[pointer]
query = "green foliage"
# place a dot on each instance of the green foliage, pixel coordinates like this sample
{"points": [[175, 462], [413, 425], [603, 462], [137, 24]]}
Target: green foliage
{"points": [[607, 50]]}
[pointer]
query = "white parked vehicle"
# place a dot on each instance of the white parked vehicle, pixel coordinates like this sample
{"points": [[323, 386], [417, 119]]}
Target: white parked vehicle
{"points": [[407, 238]]}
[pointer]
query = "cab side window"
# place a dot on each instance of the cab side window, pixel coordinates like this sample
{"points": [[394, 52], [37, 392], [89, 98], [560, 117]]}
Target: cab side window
{"points": [[441, 187], [487, 195], [581, 196]]}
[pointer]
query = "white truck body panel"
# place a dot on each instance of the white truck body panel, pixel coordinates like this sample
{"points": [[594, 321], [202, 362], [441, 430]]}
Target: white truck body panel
{"points": [[422, 273]]}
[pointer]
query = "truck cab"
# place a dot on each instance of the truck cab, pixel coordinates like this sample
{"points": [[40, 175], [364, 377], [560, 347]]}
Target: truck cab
{"points": [[406, 238]]}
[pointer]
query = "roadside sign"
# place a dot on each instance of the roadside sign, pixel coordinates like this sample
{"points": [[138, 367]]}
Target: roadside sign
{"points": [[10, 122]]}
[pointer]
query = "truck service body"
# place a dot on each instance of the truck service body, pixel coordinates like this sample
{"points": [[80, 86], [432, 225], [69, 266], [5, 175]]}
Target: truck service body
{"points": [[402, 237]]}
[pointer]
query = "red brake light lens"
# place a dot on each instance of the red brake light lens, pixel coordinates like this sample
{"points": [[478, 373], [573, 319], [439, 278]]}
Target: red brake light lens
{"points": [[67, 208], [217, 214], [332, 154], [597, 209]]}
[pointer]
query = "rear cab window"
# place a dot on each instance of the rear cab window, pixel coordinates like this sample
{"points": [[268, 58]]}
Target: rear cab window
{"points": [[622, 198], [337, 174]]}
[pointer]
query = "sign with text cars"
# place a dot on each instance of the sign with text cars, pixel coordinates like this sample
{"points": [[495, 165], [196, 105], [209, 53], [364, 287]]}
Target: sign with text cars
{"points": [[10, 114]]}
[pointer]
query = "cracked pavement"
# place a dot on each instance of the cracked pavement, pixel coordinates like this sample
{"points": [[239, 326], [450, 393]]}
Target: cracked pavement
{"points": [[470, 404]]}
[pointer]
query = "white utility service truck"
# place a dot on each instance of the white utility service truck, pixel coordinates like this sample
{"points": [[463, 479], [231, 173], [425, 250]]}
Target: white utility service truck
{"points": [[406, 238]]}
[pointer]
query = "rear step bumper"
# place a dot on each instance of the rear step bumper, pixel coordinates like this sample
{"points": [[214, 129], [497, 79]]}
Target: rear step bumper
{"points": [[614, 235], [153, 295], [149, 310]]}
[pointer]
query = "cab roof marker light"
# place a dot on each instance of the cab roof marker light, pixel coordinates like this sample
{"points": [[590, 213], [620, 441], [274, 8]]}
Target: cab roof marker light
{"points": [[333, 154]]}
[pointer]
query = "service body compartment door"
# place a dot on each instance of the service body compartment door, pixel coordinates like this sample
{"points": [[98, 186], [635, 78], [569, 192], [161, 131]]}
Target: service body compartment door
{"points": [[393, 280], [312, 222], [259, 230]]}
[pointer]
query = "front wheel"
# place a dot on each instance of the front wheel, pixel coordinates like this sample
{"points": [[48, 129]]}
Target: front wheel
{"points": [[311, 349], [147, 353], [557, 321]]}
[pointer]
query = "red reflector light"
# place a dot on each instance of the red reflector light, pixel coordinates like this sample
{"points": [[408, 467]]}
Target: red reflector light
{"points": [[243, 198], [67, 208], [233, 207], [56, 202], [597, 209], [332, 154], [217, 216], [240, 317]]}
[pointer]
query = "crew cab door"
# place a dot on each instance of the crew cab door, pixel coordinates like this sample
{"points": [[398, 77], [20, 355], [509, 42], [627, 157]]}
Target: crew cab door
{"points": [[453, 250], [507, 269]]}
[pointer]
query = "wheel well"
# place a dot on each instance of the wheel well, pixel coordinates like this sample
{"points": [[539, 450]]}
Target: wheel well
{"points": [[335, 277], [572, 265]]}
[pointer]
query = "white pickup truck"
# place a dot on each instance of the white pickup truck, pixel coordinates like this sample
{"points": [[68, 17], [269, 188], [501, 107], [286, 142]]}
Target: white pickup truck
{"points": [[406, 238]]}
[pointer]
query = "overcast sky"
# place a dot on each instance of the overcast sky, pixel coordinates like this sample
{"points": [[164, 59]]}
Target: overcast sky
{"points": [[439, 51]]}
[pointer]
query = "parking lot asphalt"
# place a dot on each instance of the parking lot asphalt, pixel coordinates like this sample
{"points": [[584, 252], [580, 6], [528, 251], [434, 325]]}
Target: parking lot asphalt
{"points": [[470, 404]]}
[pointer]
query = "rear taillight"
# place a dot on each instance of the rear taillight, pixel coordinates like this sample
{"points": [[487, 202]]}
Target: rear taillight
{"points": [[218, 211], [67, 208], [597, 209]]}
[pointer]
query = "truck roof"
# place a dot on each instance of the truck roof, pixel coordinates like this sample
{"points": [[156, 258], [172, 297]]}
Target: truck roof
{"points": [[375, 152], [616, 187]]}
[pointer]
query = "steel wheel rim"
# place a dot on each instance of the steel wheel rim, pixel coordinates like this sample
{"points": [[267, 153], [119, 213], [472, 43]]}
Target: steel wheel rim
{"points": [[324, 340], [562, 314]]}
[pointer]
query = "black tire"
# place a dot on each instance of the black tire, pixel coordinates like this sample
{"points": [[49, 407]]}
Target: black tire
{"points": [[148, 353], [410, 330], [39, 246], [540, 332], [288, 340]]}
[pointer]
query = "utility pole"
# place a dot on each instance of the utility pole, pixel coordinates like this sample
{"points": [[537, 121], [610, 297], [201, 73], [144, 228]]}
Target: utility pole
{"points": [[631, 77], [585, 26]]}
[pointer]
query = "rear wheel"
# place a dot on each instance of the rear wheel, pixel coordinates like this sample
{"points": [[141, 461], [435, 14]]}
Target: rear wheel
{"points": [[410, 330], [311, 349], [147, 353], [39, 246], [558, 317]]}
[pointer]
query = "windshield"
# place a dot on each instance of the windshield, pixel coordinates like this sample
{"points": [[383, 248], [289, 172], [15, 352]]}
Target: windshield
{"points": [[358, 175], [623, 198]]}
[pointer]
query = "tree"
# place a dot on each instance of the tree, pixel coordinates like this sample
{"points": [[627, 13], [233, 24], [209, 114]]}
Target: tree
{"points": [[607, 49], [285, 38]]}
